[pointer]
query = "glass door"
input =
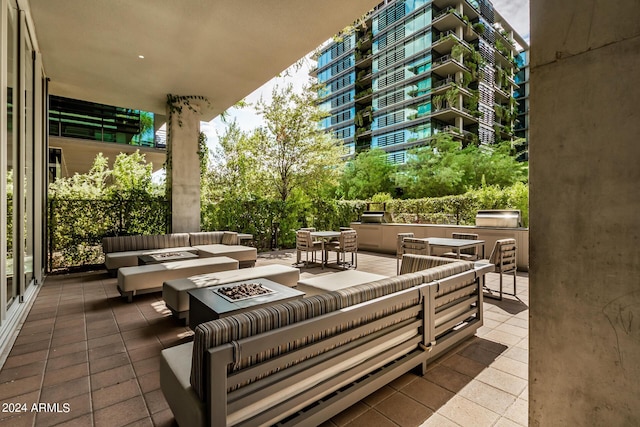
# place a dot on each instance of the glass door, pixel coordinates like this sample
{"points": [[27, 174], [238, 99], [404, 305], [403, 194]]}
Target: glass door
{"points": [[11, 149], [27, 157]]}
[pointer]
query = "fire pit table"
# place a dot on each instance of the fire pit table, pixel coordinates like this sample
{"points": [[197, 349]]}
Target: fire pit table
{"points": [[161, 257], [220, 301]]}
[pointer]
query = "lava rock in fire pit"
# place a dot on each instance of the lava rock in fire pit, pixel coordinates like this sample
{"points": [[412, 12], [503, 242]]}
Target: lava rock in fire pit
{"points": [[245, 290]]}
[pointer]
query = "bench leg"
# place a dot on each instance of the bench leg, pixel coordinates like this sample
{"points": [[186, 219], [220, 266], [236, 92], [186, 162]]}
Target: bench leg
{"points": [[128, 295]]}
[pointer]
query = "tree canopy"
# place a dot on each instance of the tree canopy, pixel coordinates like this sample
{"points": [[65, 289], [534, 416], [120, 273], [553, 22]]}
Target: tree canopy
{"points": [[288, 155], [445, 168], [367, 174], [131, 175]]}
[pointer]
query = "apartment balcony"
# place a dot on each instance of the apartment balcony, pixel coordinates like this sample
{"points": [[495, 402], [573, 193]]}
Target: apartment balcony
{"points": [[447, 66], [448, 19], [446, 41], [502, 60], [365, 97], [468, 10], [364, 61], [449, 114], [506, 41], [501, 95], [443, 86]]}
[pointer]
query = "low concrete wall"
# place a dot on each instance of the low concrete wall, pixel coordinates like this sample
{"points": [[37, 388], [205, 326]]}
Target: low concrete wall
{"points": [[383, 237]]}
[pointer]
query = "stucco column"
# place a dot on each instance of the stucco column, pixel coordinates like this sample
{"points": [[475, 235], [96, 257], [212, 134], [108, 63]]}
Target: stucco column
{"points": [[183, 163], [584, 367]]}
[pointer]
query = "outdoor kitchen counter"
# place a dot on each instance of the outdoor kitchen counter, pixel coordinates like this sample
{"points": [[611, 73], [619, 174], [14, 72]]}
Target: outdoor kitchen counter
{"points": [[382, 237]]}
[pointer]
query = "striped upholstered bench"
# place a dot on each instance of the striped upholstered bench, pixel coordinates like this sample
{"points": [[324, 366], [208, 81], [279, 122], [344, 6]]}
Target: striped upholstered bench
{"points": [[123, 251], [284, 363]]}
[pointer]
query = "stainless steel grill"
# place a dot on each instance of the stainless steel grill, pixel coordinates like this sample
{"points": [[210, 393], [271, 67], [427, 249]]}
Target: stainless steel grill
{"points": [[373, 217], [509, 218]]}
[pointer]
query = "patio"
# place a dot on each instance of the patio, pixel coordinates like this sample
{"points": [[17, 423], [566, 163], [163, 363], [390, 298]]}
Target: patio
{"points": [[83, 345]]}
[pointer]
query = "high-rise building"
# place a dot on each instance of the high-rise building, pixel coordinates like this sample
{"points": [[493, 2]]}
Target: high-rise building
{"points": [[413, 68]]}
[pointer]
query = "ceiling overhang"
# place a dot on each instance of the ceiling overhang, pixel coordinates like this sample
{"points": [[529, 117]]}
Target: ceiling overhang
{"points": [[219, 49]]}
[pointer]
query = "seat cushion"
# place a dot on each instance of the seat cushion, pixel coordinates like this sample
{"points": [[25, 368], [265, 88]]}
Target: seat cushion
{"points": [[174, 292], [146, 277], [334, 281], [239, 252], [175, 370], [205, 238]]}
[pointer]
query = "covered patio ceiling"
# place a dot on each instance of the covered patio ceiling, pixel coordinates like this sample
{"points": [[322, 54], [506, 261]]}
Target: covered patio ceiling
{"points": [[220, 49]]}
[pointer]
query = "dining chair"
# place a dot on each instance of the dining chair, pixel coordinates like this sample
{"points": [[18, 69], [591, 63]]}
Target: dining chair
{"points": [[412, 245], [503, 256], [304, 243], [399, 251], [468, 254], [347, 242]]}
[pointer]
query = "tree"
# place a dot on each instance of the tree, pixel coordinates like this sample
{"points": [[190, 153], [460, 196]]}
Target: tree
{"points": [[367, 174], [130, 175], [445, 168], [291, 152], [232, 172]]}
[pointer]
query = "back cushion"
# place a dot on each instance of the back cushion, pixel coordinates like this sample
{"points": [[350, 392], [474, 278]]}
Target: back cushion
{"points": [[142, 242], [412, 263], [230, 238], [206, 238]]}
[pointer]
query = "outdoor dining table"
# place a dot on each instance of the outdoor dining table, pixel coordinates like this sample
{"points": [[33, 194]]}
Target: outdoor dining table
{"points": [[324, 236], [456, 244]]}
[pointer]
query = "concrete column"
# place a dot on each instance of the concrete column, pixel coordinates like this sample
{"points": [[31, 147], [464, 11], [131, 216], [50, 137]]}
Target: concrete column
{"points": [[183, 164], [584, 213]]}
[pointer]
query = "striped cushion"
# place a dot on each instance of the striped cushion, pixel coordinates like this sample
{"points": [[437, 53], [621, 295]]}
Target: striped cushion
{"points": [[142, 242], [228, 329], [230, 238], [445, 270], [414, 262], [206, 238]]}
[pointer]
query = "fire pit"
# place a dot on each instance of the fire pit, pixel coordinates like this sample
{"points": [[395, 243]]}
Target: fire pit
{"points": [[242, 291]]}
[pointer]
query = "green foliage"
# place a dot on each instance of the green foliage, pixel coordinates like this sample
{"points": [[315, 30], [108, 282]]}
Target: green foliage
{"points": [[76, 226], [258, 215], [203, 153], [461, 209], [103, 202], [367, 174], [445, 168], [292, 152]]}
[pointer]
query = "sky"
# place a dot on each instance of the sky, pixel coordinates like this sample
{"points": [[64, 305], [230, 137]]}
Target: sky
{"points": [[515, 12]]}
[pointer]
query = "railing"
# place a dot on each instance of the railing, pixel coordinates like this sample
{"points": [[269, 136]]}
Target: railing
{"points": [[444, 82], [446, 12]]}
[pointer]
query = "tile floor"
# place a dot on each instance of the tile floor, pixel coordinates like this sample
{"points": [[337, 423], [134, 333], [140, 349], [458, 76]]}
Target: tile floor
{"points": [[96, 356]]}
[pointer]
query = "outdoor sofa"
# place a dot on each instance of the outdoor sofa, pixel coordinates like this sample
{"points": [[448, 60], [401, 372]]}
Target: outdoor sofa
{"points": [[123, 251], [303, 361]]}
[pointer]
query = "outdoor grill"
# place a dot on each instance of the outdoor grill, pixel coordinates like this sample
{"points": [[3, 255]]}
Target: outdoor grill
{"points": [[499, 218], [373, 217]]}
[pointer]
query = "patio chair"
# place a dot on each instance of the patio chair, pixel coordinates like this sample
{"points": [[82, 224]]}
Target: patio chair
{"points": [[412, 245], [347, 242], [470, 254], [399, 251], [503, 257], [306, 244]]}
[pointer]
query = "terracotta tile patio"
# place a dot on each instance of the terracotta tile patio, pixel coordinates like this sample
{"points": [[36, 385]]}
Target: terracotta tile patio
{"points": [[84, 346]]}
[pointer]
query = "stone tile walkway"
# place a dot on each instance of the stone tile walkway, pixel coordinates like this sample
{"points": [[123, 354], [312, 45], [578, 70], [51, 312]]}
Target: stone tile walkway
{"points": [[95, 360]]}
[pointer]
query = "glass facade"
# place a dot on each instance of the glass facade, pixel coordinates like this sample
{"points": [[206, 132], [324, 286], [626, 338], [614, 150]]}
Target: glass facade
{"points": [[389, 85], [72, 118], [22, 149]]}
